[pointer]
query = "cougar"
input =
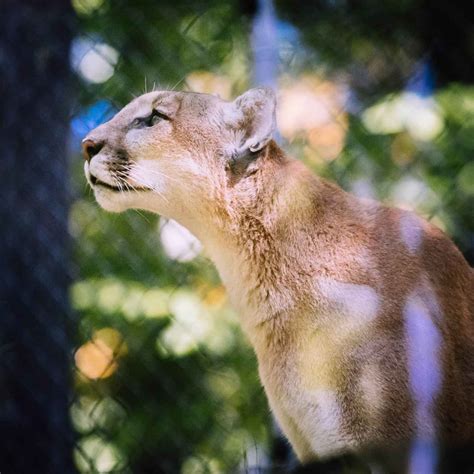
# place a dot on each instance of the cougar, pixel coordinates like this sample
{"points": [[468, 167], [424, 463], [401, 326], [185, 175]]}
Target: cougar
{"points": [[360, 314]]}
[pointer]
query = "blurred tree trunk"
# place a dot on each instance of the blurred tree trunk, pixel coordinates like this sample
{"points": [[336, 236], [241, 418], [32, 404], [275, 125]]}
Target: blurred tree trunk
{"points": [[35, 348]]}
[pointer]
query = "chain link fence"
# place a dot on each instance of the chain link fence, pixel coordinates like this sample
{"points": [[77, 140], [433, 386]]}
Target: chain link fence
{"points": [[162, 379]]}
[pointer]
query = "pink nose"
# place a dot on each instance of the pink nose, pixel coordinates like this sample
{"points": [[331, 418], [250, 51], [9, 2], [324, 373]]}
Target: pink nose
{"points": [[90, 148]]}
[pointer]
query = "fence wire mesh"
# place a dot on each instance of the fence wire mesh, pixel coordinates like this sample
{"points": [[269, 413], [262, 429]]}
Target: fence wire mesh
{"points": [[163, 380]]}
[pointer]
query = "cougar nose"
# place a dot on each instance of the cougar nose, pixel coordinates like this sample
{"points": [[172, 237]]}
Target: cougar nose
{"points": [[90, 148]]}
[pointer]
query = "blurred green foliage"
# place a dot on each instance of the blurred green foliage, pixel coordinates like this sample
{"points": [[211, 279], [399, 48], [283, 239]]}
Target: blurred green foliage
{"points": [[161, 41], [377, 44], [434, 176], [181, 392]]}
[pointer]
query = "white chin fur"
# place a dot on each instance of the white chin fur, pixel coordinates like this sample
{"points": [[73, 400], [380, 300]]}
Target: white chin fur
{"points": [[110, 201]]}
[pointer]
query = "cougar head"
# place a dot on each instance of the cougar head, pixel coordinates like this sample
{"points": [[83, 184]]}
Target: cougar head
{"points": [[170, 152]]}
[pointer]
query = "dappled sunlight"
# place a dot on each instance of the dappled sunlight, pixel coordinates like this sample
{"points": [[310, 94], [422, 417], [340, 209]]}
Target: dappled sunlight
{"points": [[411, 232], [111, 295], [194, 321], [403, 149], [324, 427], [174, 341], [356, 304], [100, 455], [313, 109], [89, 414], [86, 7], [97, 358], [424, 346], [363, 188], [94, 60], [195, 324], [201, 465], [215, 297], [351, 309], [178, 243], [372, 390], [413, 194], [155, 303], [421, 117], [225, 382], [210, 83]]}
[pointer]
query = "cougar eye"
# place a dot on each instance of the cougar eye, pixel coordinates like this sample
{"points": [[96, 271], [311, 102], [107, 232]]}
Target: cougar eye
{"points": [[154, 119], [150, 120]]}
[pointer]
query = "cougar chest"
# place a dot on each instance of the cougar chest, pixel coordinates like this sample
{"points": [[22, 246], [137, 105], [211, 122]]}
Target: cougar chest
{"points": [[303, 388], [305, 359]]}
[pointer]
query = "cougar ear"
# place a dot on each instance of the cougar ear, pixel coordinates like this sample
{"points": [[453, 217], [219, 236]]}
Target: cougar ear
{"points": [[252, 115]]}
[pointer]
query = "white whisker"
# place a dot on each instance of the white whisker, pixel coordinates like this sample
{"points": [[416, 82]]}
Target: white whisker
{"points": [[178, 83], [155, 172], [130, 187], [123, 175], [123, 183]]}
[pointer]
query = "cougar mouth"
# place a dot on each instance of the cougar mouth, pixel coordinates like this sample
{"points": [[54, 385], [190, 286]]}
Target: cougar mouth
{"points": [[118, 189]]}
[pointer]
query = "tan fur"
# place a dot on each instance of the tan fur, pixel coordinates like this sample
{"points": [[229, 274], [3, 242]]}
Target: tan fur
{"points": [[347, 303]]}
